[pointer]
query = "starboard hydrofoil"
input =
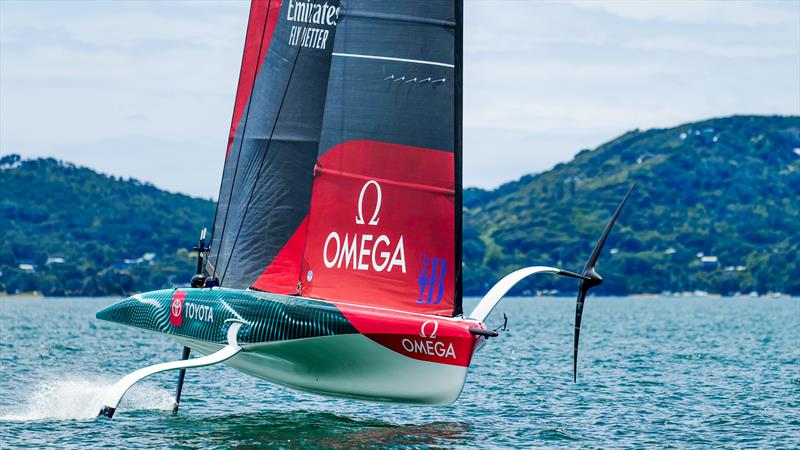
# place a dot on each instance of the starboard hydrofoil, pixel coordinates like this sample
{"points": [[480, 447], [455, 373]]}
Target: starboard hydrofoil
{"points": [[335, 260]]}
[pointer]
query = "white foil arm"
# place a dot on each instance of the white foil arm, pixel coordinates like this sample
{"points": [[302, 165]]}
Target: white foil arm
{"points": [[492, 298], [114, 395]]}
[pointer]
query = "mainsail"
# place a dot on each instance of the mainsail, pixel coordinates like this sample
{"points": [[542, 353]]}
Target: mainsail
{"points": [[342, 178]]}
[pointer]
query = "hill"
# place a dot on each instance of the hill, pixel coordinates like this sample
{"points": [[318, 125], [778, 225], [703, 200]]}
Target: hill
{"points": [[67, 230], [725, 188]]}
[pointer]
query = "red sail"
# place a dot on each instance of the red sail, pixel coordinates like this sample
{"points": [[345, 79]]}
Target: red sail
{"points": [[343, 180]]}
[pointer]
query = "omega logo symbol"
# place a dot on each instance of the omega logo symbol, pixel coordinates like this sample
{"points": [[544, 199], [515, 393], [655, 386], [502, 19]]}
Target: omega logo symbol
{"points": [[433, 332], [360, 216]]}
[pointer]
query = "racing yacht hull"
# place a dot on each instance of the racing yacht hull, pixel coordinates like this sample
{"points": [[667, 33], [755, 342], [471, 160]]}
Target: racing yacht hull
{"points": [[333, 349]]}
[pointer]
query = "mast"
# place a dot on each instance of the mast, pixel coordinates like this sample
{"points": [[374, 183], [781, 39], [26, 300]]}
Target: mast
{"points": [[458, 111]]}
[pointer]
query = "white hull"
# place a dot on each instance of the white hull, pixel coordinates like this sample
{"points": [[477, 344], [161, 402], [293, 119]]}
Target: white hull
{"points": [[349, 366]]}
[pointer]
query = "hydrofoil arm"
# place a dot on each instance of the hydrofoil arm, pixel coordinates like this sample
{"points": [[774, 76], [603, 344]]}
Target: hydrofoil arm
{"points": [[492, 298], [119, 388]]}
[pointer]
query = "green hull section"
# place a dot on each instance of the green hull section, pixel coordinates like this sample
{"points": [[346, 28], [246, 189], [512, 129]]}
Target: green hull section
{"points": [[201, 314]]}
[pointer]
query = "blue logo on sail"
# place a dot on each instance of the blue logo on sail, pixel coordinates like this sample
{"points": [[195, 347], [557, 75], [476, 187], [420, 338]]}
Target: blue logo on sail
{"points": [[431, 279]]}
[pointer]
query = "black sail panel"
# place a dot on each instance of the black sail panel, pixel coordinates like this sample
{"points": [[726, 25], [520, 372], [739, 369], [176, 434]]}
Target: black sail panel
{"points": [[266, 184]]}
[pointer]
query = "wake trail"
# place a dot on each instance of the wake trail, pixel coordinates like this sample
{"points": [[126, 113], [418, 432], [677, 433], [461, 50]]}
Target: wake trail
{"points": [[82, 398]]}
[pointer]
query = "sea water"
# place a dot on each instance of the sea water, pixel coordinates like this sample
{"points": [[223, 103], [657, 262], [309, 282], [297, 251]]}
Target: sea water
{"points": [[653, 372]]}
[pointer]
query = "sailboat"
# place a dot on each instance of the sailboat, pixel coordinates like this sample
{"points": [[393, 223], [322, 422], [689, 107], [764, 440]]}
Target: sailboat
{"points": [[334, 265]]}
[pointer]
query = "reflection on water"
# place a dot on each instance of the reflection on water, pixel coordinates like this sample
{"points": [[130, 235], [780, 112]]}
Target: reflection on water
{"points": [[320, 429]]}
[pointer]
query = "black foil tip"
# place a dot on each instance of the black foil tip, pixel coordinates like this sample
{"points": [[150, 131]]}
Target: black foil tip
{"points": [[590, 279], [107, 411]]}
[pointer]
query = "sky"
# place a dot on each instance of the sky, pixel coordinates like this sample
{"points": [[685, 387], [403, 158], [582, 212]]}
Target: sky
{"points": [[146, 89]]}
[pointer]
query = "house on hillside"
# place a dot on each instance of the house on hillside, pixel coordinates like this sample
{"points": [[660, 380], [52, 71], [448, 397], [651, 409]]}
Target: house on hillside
{"points": [[709, 262], [26, 265], [55, 261], [146, 258]]}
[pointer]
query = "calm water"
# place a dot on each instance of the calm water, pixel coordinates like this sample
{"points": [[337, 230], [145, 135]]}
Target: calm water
{"points": [[654, 373]]}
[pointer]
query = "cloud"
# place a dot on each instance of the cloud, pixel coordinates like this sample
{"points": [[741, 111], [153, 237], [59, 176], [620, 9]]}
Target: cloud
{"points": [[77, 75], [749, 14], [118, 85]]}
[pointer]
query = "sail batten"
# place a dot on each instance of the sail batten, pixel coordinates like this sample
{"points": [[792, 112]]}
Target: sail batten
{"points": [[348, 181], [392, 58], [418, 186]]}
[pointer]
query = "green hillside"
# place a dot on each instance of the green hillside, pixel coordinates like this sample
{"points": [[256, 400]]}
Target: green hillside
{"points": [[728, 188], [54, 210]]}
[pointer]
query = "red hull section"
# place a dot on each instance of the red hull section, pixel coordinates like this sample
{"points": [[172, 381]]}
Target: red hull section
{"points": [[426, 338]]}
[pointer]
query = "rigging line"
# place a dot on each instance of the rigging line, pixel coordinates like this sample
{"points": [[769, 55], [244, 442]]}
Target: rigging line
{"points": [[239, 154], [266, 151], [233, 116]]}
